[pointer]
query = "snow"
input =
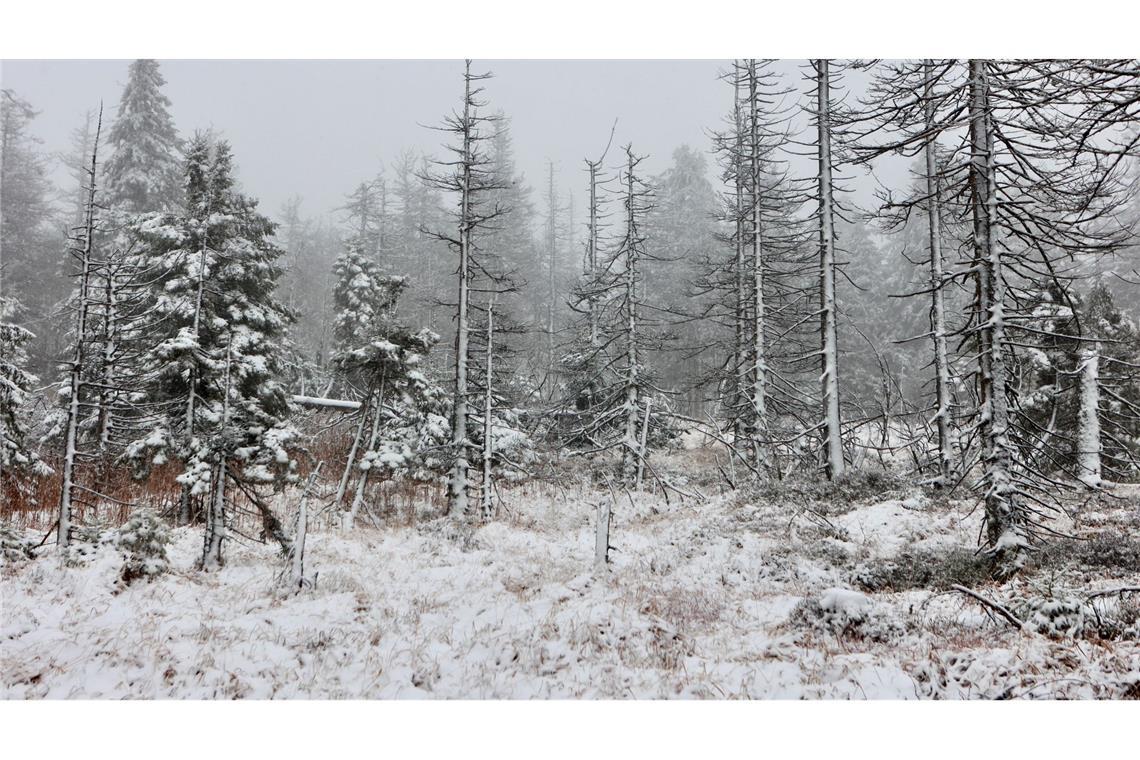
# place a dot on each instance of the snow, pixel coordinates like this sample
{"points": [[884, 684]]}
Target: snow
{"points": [[845, 601], [701, 600]]}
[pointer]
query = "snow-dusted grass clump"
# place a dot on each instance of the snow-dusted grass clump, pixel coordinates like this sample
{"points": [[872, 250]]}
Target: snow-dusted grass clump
{"points": [[715, 596], [846, 613]]}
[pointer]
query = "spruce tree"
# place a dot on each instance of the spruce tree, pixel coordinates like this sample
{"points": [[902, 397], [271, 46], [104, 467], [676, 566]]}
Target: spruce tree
{"points": [[16, 453], [217, 341], [379, 360], [143, 173]]}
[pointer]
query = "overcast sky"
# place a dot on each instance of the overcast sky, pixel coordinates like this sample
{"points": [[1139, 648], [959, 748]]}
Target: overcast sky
{"points": [[316, 128]]}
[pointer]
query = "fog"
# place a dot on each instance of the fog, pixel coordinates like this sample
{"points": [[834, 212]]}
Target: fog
{"points": [[316, 128]]}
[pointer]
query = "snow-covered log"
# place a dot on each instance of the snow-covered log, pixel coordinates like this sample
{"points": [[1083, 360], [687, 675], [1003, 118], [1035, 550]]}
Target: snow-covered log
{"points": [[316, 402]]}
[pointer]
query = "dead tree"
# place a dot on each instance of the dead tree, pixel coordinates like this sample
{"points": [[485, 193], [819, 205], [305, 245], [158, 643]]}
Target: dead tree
{"points": [[830, 425], [1021, 165], [470, 176], [76, 384]]}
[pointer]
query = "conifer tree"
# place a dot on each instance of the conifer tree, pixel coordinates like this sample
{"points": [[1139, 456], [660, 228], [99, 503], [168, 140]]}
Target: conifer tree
{"points": [[16, 452], [216, 337], [379, 360], [143, 172]]}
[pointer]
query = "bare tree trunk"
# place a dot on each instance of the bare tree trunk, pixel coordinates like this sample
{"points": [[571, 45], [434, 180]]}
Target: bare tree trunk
{"points": [[829, 351], [75, 383], [342, 487], [457, 492], [552, 261], [758, 371], [1088, 418], [592, 258], [488, 505], [643, 447], [740, 342], [1005, 525], [362, 480], [633, 379], [937, 281], [106, 418], [602, 535], [216, 512], [297, 566], [192, 396]]}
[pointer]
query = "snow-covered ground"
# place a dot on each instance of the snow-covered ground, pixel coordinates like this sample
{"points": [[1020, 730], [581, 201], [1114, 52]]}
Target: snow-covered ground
{"points": [[726, 596]]}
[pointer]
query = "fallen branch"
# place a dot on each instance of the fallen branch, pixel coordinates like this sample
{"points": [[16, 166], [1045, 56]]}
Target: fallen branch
{"points": [[1009, 617], [1112, 591]]}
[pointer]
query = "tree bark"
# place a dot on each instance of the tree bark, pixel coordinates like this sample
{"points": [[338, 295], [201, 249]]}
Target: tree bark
{"points": [[834, 465]]}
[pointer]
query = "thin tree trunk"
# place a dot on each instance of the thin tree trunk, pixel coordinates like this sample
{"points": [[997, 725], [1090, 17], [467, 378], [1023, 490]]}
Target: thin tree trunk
{"points": [[740, 321], [643, 447], [1088, 418], [829, 350], [342, 487], [362, 480], [297, 575], [759, 367], [184, 497], [633, 378], [592, 259], [937, 280], [63, 528], [488, 409], [602, 535], [1005, 529], [106, 419], [216, 513], [552, 253], [457, 492]]}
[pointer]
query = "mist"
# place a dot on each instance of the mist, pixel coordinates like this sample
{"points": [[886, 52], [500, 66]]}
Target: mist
{"points": [[317, 128]]}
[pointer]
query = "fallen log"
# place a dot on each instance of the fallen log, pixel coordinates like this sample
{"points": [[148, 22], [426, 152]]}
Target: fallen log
{"points": [[317, 402]]}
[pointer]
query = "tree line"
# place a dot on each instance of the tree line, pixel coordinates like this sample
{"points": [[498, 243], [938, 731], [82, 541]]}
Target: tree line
{"points": [[962, 329]]}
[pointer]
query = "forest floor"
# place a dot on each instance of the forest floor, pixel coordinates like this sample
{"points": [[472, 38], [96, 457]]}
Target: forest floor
{"points": [[819, 592]]}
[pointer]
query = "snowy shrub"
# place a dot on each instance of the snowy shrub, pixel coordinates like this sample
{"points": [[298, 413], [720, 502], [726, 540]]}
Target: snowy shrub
{"points": [[1057, 618], [1104, 551], [843, 612], [87, 541], [863, 485], [923, 568], [14, 547], [143, 540], [1120, 620]]}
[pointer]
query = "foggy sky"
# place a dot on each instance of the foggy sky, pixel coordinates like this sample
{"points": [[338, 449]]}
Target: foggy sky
{"points": [[317, 128]]}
